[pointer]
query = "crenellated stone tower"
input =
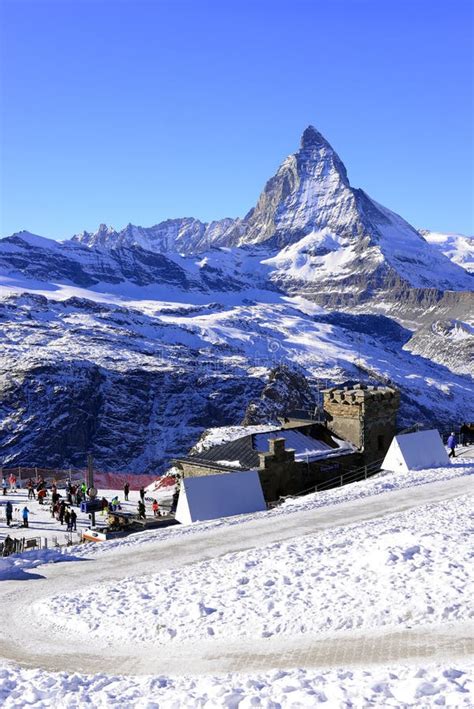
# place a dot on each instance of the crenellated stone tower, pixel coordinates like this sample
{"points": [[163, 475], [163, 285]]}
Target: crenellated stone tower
{"points": [[364, 415]]}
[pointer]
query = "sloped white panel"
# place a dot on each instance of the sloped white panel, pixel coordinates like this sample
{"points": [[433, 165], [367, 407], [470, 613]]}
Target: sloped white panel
{"points": [[416, 451], [214, 496]]}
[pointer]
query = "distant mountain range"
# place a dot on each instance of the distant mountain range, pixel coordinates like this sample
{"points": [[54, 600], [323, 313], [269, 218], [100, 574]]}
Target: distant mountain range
{"points": [[130, 342]]}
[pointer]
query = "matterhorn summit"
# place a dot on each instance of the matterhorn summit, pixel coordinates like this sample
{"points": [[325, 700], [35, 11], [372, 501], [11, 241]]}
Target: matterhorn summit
{"points": [[317, 229]]}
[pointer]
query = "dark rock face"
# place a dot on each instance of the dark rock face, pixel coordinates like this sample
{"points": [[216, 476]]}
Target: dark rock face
{"points": [[286, 390], [134, 421], [50, 413]]}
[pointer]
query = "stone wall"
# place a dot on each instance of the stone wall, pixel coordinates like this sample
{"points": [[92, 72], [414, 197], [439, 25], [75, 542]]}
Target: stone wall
{"points": [[365, 416]]}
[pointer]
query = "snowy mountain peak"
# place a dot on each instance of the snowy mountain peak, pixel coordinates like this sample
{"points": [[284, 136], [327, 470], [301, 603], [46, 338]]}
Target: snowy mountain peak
{"points": [[316, 149], [104, 229], [313, 226], [312, 138]]}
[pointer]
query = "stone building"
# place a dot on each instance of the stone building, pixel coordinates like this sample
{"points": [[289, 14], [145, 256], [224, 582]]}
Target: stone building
{"points": [[364, 415], [359, 424], [289, 459]]}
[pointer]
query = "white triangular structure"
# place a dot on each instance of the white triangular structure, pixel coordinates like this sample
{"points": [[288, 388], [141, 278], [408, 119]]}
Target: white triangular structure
{"points": [[416, 451], [213, 496]]}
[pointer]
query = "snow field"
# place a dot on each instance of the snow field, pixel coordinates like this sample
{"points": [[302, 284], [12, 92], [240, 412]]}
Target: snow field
{"points": [[417, 567], [395, 686], [407, 569], [377, 485]]}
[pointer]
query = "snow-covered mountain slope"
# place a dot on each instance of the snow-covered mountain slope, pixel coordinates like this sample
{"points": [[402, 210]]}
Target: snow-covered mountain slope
{"points": [[30, 262], [314, 225], [137, 385], [310, 233], [457, 247], [177, 327]]}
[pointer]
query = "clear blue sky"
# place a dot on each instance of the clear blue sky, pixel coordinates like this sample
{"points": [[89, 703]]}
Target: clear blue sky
{"points": [[138, 111]]}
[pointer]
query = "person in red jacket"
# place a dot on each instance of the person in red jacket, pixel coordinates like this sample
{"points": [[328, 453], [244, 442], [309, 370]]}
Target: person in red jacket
{"points": [[155, 507]]}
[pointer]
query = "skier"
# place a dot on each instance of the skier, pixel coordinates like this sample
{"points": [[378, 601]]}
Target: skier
{"points": [[155, 507], [126, 490], [9, 513], [141, 510], [452, 443], [25, 514]]}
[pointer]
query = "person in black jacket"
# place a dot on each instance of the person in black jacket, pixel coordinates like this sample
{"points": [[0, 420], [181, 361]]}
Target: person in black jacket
{"points": [[73, 521], [126, 490], [141, 510], [9, 512]]}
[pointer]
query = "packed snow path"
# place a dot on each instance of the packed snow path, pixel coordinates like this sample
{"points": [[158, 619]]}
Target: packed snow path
{"points": [[27, 642]]}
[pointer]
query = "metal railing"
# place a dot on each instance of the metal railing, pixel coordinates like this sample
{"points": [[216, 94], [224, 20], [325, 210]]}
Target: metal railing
{"points": [[351, 476]]}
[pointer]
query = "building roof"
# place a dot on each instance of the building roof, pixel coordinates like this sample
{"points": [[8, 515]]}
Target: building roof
{"points": [[310, 442]]}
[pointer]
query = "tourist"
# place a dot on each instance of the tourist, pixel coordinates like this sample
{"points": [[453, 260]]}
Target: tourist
{"points": [[41, 495], [12, 481], [142, 494], [4, 486], [452, 443], [67, 518], [155, 508], [62, 511], [31, 489], [104, 506], [25, 514], [9, 513], [73, 521], [141, 509], [126, 490]]}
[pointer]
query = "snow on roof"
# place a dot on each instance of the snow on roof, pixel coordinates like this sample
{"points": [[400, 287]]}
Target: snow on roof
{"points": [[306, 447], [224, 434], [239, 446]]}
